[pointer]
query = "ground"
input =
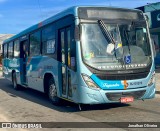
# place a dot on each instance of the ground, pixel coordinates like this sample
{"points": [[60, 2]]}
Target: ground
{"points": [[28, 105]]}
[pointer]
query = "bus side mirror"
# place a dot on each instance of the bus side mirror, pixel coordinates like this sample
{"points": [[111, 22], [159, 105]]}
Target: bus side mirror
{"points": [[153, 47]]}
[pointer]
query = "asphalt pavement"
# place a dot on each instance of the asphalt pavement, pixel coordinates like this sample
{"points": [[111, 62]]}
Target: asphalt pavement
{"points": [[27, 105]]}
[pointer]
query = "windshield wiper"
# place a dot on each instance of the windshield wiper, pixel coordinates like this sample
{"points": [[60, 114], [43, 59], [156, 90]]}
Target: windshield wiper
{"points": [[107, 34], [105, 31]]}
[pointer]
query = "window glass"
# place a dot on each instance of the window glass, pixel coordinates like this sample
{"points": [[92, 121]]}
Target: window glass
{"points": [[35, 43], [129, 46], [5, 51], [63, 47], [69, 47], [16, 48], [141, 40], [50, 46], [48, 40], [10, 50]]}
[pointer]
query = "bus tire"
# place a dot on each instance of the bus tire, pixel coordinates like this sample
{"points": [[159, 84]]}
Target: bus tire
{"points": [[52, 92], [14, 81]]}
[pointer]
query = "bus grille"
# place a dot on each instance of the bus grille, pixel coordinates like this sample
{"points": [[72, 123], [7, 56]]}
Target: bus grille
{"points": [[117, 96], [122, 76]]}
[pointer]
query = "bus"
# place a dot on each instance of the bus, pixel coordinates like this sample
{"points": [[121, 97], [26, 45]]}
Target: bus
{"points": [[86, 55]]}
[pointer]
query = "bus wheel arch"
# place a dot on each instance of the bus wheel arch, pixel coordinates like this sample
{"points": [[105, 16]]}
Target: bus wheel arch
{"points": [[47, 76], [50, 88]]}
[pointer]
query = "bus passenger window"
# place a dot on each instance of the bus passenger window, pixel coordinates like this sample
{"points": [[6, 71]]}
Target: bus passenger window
{"points": [[5, 51], [10, 50], [35, 44], [16, 49], [48, 40]]}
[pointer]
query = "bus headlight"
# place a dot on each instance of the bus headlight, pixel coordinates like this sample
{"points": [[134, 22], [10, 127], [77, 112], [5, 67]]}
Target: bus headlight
{"points": [[152, 80], [90, 83]]}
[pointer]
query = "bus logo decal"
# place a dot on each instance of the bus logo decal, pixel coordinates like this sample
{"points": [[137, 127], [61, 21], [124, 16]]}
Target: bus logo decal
{"points": [[110, 85], [125, 84]]}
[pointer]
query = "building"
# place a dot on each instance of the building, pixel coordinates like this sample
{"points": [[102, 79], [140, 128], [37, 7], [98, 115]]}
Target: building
{"points": [[152, 10]]}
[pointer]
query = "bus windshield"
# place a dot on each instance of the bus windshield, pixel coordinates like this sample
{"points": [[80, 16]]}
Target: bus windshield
{"points": [[130, 50]]}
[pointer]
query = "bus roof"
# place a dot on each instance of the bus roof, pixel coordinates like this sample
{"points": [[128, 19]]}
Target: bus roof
{"points": [[69, 11]]}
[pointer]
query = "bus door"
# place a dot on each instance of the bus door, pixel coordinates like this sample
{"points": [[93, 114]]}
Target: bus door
{"points": [[65, 42], [23, 56]]}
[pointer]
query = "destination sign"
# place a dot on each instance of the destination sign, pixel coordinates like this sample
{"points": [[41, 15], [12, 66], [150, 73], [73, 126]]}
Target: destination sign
{"points": [[109, 13]]}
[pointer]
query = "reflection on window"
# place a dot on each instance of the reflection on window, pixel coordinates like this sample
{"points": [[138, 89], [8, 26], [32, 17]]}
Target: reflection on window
{"points": [[10, 50], [63, 48], [16, 48], [141, 39], [50, 46], [48, 40], [5, 51], [94, 42], [35, 44], [129, 40], [69, 47]]}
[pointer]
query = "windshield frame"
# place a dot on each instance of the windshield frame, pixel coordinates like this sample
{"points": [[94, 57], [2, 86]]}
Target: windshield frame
{"points": [[117, 22]]}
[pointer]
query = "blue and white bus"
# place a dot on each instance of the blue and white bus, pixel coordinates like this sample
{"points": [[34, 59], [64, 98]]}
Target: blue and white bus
{"points": [[87, 55]]}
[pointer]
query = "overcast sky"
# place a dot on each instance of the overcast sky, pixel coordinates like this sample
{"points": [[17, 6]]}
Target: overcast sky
{"points": [[17, 15]]}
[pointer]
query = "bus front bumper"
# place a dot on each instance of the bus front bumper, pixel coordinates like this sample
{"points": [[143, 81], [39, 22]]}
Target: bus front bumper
{"points": [[91, 96]]}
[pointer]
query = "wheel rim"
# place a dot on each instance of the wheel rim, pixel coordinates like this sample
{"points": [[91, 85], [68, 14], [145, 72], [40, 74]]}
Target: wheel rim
{"points": [[52, 92]]}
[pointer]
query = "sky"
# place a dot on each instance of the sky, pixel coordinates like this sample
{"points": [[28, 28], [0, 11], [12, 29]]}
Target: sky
{"points": [[17, 15]]}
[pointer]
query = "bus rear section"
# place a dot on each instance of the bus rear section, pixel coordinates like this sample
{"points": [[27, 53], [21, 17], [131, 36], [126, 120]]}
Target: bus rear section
{"points": [[115, 56]]}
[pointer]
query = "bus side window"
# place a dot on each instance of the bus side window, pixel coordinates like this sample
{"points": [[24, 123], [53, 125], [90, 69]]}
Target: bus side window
{"points": [[10, 50], [48, 40], [5, 50], [35, 42], [16, 49]]}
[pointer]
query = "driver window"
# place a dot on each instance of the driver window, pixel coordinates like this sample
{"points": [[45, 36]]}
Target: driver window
{"points": [[141, 39], [91, 41]]}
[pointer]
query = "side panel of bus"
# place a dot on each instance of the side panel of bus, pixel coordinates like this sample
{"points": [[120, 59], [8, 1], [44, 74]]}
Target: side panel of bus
{"points": [[58, 61], [11, 60]]}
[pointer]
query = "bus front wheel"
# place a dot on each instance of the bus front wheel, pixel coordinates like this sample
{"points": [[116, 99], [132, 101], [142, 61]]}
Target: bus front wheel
{"points": [[52, 92]]}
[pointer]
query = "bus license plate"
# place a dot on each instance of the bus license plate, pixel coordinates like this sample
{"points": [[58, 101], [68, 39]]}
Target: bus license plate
{"points": [[126, 99]]}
